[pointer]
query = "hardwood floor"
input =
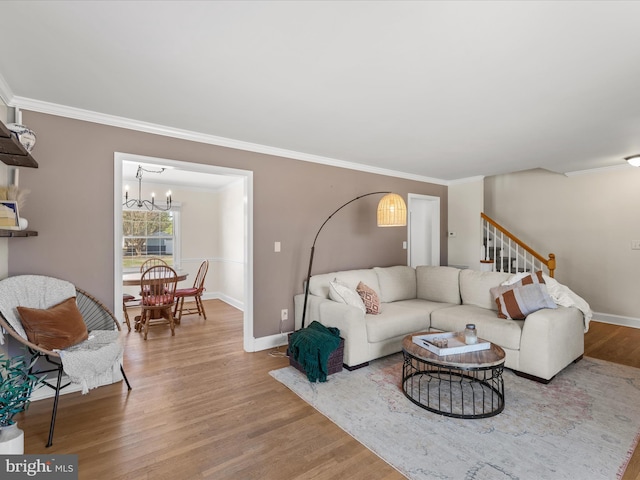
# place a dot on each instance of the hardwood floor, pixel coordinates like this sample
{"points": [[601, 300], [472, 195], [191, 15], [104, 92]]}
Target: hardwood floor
{"points": [[203, 408], [620, 345], [200, 407]]}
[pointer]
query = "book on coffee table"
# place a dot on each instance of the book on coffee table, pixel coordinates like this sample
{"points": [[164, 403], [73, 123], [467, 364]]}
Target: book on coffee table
{"points": [[454, 343]]}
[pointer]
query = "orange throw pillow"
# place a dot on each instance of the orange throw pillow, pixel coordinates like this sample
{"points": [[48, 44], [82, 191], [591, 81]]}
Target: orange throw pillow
{"points": [[58, 327]]}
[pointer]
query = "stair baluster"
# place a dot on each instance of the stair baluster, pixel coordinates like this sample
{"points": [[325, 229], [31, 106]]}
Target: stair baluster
{"points": [[509, 253]]}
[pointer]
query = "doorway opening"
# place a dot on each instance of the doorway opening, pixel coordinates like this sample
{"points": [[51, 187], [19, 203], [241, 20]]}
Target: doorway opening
{"points": [[424, 230], [197, 179]]}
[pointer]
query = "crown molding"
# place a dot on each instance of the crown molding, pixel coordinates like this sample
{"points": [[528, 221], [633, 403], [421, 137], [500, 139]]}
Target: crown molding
{"points": [[131, 124]]}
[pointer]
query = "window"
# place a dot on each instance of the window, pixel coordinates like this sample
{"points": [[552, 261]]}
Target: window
{"points": [[147, 234]]}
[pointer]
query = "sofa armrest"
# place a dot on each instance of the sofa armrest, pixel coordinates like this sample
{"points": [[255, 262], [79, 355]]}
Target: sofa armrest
{"points": [[351, 323], [551, 340]]}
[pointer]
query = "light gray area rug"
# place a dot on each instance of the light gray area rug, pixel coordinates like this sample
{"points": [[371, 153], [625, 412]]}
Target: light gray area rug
{"points": [[583, 425]]}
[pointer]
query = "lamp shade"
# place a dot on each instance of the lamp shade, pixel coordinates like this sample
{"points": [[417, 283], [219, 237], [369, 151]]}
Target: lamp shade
{"points": [[633, 160], [392, 211]]}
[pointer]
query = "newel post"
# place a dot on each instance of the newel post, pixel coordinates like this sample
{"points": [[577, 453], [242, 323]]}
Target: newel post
{"points": [[551, 264]]}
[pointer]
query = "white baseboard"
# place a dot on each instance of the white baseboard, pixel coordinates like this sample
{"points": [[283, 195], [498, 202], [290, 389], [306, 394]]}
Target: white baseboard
{"points": [[616, 320], [225, 298], [272, 341]]}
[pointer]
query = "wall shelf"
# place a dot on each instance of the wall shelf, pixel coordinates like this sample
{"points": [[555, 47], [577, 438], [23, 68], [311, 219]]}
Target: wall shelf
{"points": [[17, 233], [12, 152]]}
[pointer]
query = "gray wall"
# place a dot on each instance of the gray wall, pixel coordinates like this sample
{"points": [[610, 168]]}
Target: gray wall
{"points": [[71, 206]]}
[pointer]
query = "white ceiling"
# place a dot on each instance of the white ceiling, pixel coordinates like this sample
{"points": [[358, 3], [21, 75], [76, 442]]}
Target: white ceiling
{"points": [[445, 90]]}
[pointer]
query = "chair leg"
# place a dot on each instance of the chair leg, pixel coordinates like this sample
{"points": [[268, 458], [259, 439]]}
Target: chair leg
{"points": [[171, 323], [177, 314], [201, 305], [125, 377], [126, 315], [146, 317], [55, 407]]}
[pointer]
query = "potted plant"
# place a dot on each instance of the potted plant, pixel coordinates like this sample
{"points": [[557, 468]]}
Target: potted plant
{"points": [[16, 385]]}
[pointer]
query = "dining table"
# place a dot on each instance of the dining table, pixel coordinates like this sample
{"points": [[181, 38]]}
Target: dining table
{"points": [[133, 279]]}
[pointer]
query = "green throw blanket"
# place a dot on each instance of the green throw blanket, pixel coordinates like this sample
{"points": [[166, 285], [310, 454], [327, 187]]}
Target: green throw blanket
{"points": [[311, 347]]}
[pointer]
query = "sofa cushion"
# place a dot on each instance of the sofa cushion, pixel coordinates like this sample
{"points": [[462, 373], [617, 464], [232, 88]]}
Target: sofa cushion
{"points": [[438, 284], [369, 299], [340, 292], [426, 306], [475, 287], [396, 283], [395, 321], [319, 284], [505, 333]]}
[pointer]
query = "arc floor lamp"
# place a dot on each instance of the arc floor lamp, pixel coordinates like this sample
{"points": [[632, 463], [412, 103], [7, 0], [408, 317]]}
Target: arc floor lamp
{"points": [[392, 212]]}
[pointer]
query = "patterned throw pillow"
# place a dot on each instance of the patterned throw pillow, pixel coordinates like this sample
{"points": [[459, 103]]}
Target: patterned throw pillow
{"points": [[521, 301], [340, 292], [532, 278], [526, 296], [522, 279], [369, 298]]}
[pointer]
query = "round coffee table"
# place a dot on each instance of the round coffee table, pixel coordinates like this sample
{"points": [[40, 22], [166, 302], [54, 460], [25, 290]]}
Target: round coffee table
{"points": [[464, 385]]}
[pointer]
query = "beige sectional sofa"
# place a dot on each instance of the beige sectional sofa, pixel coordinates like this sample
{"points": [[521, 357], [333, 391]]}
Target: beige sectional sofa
{"points": [[434, 298]]}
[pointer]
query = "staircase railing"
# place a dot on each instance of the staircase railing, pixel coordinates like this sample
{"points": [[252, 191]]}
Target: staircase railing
{"points": [[507, 253]]}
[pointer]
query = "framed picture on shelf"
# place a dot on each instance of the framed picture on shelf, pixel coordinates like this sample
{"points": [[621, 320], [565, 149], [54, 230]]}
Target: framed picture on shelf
{"points": [[9, 215]]}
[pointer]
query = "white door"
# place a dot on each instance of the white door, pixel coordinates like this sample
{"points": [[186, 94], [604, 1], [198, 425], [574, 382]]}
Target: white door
{"points": [[424, 230]]}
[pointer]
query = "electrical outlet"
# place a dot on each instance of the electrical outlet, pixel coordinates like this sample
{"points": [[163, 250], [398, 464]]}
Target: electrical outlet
{"points": [[635, 244], [284, 314]]}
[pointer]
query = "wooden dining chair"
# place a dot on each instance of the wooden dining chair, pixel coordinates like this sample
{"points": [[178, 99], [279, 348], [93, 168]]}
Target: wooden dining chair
{"points": [[152, 262], [128, 300], [158, 288], [195, 292]]}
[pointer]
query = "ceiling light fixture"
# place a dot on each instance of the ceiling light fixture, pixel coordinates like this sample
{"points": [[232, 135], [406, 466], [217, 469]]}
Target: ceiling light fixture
{"points": [[633, 160], [138, 202]]}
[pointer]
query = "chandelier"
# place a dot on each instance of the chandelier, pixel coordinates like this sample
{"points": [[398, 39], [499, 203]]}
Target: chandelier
{"points": [[138, 202]]}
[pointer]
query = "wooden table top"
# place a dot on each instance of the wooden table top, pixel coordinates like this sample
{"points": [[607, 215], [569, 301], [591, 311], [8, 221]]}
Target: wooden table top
{"points": [[479, 359], [133, 279]]}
